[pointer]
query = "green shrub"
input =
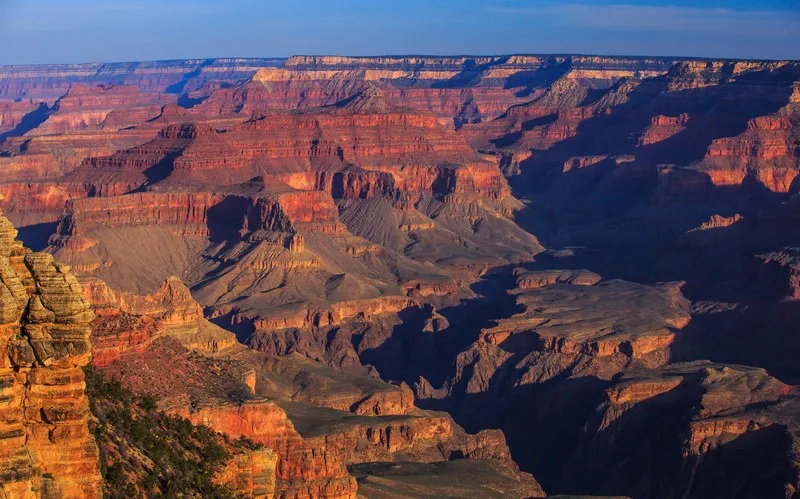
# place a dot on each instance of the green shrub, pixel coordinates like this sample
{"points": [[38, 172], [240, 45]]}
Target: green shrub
{"points": [[184, 457]]}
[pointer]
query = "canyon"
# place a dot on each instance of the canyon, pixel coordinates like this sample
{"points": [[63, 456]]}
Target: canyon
{"points": [[523, 275]]}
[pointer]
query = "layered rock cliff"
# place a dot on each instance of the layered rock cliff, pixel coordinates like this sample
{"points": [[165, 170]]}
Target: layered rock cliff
{"points": [[110, 108], [47, 450], [720, 419], [146, 452]]}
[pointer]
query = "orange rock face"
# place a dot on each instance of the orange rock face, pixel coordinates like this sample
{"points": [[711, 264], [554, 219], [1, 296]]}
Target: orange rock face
{"points": [[250, 474], [769, 142], [305, 468], [127, 323], [310, 210], [47, 449], [37, 202]]}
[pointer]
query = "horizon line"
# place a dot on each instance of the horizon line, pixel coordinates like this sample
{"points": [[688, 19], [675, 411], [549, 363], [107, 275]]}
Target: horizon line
{"points": [[420, 55]]}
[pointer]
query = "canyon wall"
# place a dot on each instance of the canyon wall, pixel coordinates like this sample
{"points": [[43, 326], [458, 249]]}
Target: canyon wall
{"points": [[47, 450]]}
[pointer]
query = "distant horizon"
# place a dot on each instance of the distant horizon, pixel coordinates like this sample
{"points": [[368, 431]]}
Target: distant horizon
{"points": [[421, 55], [57, 32]]}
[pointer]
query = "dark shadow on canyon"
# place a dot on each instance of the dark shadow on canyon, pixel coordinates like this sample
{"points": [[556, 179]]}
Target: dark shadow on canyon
{"points": [[159, 171], [526, 82], [411, 352], [28, 122], [178, 87], [36, 236]]}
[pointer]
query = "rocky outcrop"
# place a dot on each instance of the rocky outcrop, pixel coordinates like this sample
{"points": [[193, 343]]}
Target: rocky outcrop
{"points": [[593, 327], [571, 334], [572, 322], [338, 313], [145, 451], [663, 127], [721, 418], [250, 474], [304, 468], [767, 150], [541, 278], [127, 323], [47, 450]]}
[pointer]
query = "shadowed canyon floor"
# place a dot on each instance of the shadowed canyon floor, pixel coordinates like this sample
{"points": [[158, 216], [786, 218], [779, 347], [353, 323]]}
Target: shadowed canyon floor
{"points": [[417, 276]]}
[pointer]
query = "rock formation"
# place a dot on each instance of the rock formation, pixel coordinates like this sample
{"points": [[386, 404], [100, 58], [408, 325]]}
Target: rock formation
{"points": [[720, 419], [317, 420], [47, 450]]}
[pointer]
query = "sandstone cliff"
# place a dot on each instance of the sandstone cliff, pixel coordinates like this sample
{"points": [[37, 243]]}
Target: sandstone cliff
{"points": [[47, 450]]}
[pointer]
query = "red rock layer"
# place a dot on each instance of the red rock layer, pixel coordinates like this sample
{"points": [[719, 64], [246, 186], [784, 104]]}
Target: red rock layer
{"points": [[663, 127], [38, 202], [458, 90], [194, 213], [12, 113], [767, 150], [336, 314], [305, 468], [668, 120], [111, 108], [127, 323]]}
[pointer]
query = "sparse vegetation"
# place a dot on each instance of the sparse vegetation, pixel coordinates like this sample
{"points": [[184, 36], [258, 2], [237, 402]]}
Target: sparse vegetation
{"points": [[148, 453]]}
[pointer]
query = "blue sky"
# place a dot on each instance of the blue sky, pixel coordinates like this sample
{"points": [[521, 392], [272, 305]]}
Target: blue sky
{"points": [[42, 31]]}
